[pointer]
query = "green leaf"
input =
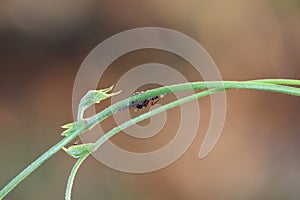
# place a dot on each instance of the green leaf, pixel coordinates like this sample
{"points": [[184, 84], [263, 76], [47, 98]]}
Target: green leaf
{"points": [[69, 125], [77, 151], [73, 127], [93, 97]]}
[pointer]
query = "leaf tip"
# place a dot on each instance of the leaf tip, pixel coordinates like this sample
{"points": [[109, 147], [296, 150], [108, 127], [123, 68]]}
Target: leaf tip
{"points": [[76, 151]]}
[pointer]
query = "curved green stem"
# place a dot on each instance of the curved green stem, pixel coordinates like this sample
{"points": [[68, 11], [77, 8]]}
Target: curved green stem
{"points": [[28, 170], [72, 176], [135, 120], [261, 84], [273, 85], [151, 113]]}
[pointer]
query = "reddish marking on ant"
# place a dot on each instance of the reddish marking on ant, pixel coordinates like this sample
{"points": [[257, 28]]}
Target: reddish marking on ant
{"points": [[152, 101]]}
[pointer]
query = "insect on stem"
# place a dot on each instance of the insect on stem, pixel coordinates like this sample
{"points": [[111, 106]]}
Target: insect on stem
{"points": [[140, 104]]}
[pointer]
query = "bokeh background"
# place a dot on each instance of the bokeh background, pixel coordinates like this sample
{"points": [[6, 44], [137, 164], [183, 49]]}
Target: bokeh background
{"points": [[43, 43]]}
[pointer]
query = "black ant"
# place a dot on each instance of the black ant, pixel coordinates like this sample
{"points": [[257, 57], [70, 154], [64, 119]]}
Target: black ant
{"points": [[140, 104]]}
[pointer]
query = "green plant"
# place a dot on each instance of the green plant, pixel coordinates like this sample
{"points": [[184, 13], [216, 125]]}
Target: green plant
{"points": [[74, 129]]}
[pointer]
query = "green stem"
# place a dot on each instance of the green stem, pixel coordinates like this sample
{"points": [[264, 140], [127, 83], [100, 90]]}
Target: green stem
{"points": [[262, 84], [135, 120], [72, 176], [28, 170], [278, 81], [265, 85], [151, 113]]}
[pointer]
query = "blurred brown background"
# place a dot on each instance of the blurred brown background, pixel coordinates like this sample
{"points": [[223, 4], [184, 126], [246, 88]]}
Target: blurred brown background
{"points": [[42, 44]]}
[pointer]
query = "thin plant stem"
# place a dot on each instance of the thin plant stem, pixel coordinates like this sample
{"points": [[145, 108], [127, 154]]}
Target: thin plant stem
{"points": [[151, 113], [135, 120], [72, 176], [272, 85]]}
